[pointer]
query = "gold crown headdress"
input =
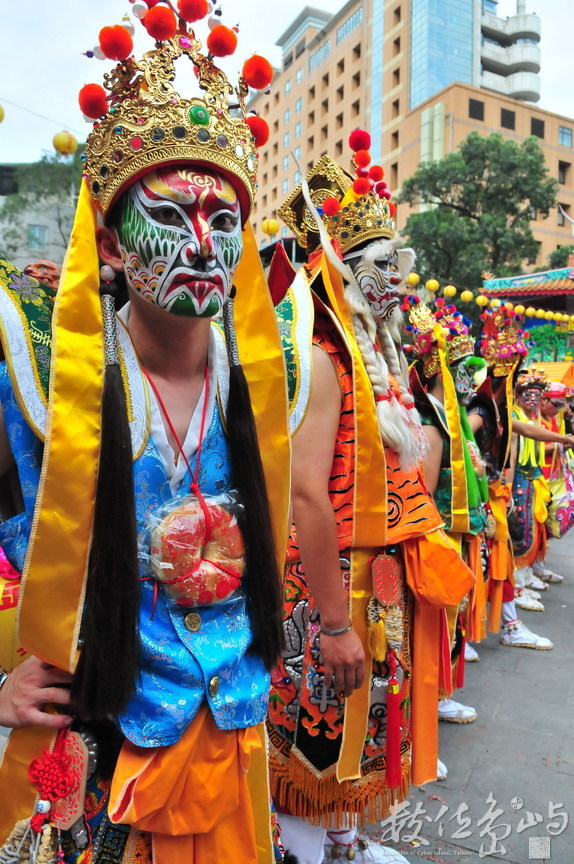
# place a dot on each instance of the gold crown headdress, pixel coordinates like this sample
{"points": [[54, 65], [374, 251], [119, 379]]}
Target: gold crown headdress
{"points": [[502, 340], [353, 209], [142, 121], [533, 377], [424, 325]]}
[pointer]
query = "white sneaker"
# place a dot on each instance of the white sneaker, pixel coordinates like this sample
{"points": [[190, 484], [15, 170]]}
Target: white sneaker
{"points": [[441, 770], [542, 572], [526, 601], [470, 654], [362, 850], [530, 592], [519, 636], [536, 583], [454, 712]]}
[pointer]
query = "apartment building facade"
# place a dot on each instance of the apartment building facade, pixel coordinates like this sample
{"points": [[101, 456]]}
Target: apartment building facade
{"points": [[419, 75]]}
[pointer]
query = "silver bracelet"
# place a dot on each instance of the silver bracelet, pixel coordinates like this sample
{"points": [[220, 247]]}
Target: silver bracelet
{"points": [[338, 631], [3, 677]]}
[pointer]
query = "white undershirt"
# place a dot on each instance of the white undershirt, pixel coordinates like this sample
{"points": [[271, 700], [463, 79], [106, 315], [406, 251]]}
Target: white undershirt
{"points": [[176, 468]]}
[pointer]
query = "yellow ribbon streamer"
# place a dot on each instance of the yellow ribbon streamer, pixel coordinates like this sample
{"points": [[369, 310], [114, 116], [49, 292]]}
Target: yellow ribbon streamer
{"points": [[459, 487]]}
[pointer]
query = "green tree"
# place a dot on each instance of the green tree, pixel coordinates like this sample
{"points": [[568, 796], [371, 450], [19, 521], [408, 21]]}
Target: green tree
{"points": [[479, 204], [559, 257], [46, 188]]}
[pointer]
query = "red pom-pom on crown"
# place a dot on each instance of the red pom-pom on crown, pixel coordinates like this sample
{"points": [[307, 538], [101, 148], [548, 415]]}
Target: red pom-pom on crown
{"points": [[361, 186], [359, 140], [160, 23], [259, 129], [362, 158], [115, 42], [331, 206], [221, 41], [376, 173], [392, 209], [258, 72], [192, 10], [93, 101]]}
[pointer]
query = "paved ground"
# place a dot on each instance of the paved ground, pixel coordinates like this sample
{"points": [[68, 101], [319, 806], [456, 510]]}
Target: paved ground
{"points": [[516, 762]]}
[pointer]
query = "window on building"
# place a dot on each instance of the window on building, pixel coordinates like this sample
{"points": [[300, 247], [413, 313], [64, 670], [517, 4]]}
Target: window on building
{"points": [[563, 209], [356, 108], [287, 115], [565, 136], [265, 157], [287, 86], [275, 148], [264, 202], [397, 15], [340, 93], [357, 51], [297, 151], [351, 23], [324, 133], [309, 165], [264, 179], [284, 231], [286, 139], [394, 140], [339, 148], [287, 61], [311, 142], [274, 171], [396, 46], [325, 106], [476, 109], [319, 55], [286, 163], [36, 236], [311, 92], [274, 193], [394, 175], [299, 48], [537, 127], [298, 105], [396, 76], [325, 80], [507, 118], [297, 130], [339, 121], [276, 126], [396, 108], [285, 187], [340, 67], [489, 6], [311, 118], [297, 178], [299, 75], [275, 98], [357, 79], [563, 172]]}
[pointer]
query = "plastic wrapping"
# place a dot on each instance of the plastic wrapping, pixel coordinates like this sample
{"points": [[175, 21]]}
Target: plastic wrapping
{"points": [[195, 549]]}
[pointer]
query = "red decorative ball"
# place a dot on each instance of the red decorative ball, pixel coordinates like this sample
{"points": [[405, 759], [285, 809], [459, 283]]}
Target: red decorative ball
{"points": [[93, 101], [151, 3], [380, 189], [359, 140], [362, 158], [258, 72], [160, 23], [115, 42], [192, 10], [361, 186], [221, 41], [376, 173], [331, 206], [393, 209], [259, 129]]}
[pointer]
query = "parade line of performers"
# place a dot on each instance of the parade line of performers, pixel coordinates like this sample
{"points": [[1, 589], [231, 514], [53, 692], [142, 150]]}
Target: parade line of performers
{"points": [[187, 679]]}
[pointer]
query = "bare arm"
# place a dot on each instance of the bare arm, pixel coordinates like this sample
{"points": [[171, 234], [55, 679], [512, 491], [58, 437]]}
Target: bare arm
{"points": [[433, 457], [313, 448], [540, 433], [475, 421]]}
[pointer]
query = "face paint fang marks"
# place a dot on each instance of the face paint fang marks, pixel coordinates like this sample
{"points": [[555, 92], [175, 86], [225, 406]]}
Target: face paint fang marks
{"points": [[376, 272]]}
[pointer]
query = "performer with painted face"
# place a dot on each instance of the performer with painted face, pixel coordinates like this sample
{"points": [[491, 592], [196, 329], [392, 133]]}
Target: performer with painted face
{"points": [[153, 471], [362, 602]]}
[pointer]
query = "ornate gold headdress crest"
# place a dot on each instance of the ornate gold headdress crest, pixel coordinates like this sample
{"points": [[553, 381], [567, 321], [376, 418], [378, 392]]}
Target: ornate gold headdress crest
{"points": [[534, 377], [353, 209], [425, 326], [502, 340], [143, 122]]}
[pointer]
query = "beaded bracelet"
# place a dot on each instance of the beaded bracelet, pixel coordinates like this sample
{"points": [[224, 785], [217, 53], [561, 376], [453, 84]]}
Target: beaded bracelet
{"points": [[338, 632]]}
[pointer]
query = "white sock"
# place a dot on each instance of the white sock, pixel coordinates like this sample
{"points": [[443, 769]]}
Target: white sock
{"points": [[304, 840], [508, 612]]}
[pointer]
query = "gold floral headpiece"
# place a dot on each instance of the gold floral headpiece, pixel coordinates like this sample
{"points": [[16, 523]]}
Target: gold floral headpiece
{"points": [[533, 377], [425, 326], [502, 340], [142, 122]]}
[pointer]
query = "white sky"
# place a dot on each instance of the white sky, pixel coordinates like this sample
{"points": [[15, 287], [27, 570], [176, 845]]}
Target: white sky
{"points": [[42, 67]]}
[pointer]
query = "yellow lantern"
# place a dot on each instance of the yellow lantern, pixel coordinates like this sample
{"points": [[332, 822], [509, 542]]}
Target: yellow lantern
{"points": [[520, 309], [466, 296], [65, 143], [540, 313], [531, 312], [481, 300], [558, 317], [494, 304], [509, 306], [549, 316], [432, 285], [449, 291], [413, 279], [1, 113], [270, 227]]}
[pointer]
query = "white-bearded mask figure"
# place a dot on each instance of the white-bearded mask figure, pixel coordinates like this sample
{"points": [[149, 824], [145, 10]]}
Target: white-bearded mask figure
{"points": [[376, 271], [179, 233]]}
